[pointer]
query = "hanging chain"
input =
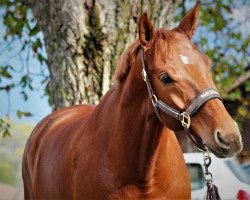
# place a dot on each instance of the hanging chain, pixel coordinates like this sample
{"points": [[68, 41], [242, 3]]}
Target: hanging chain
{"points": [[212, 190], [208, 175]]}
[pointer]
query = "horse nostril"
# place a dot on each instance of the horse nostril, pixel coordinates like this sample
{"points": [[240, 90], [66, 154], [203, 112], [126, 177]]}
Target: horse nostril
{"points": [[219, 137], [220, 141]]}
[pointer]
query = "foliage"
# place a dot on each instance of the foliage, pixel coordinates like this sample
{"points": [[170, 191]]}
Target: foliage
{"points": [[7, 174], [219, 35], [11, 151], [4, 127]]}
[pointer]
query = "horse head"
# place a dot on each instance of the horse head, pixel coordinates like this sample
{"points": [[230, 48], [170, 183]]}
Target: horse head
{"points": [[178, 72]]}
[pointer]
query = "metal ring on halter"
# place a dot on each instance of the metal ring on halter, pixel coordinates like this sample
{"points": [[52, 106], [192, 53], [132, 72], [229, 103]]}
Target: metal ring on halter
{"points": [[205, 151], [144, 74], [154, 99]]}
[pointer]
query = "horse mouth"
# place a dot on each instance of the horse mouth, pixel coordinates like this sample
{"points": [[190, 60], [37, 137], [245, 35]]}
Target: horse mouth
{"points": [[219, 154], [226, 151], [223, 153]]}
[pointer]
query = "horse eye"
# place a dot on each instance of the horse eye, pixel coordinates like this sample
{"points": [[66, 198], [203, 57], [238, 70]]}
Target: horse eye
{"points": [[166, 79]]}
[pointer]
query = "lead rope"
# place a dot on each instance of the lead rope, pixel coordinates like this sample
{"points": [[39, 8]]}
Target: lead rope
{"points": [[212, 190]]}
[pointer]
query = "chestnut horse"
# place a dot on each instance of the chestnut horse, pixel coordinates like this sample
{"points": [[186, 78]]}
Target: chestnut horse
{"points": [[125, 148]]}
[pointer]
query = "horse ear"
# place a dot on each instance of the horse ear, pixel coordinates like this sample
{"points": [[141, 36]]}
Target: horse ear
{"points": [[190, 21], [146, 30]]}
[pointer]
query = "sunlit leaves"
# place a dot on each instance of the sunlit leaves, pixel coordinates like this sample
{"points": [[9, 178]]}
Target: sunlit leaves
{"points": [[247, 88], [24, 95], [15, 18], [41, 58], [4, 128], [26, 82], [37, 44], [34, 30], [20, 114], [228, 46], [242, 112], [7, 87], [235, 95], [5, 71]]}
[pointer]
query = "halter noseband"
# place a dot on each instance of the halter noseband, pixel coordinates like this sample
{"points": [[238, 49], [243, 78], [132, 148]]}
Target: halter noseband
{"points": [[183, 117]]}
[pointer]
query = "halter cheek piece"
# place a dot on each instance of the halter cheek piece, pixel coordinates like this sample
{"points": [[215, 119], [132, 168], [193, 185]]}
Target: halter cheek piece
{"points": [[183, 117]]}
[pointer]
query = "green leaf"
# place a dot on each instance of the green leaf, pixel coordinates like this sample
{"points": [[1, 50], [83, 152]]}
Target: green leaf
{"points": [[37, 44], [26, 81], [247, 86], [4, 127], [44, 81], [34, 30], [30, 87], [242, 111], [25, 96], [27, 114], [41, 58], [4, 2], [235, 95], [6, 133], [4, 72], [20, 114], [7, 88]]}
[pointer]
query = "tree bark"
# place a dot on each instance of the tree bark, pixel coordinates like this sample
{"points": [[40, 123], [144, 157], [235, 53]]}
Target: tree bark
{"points": [[84, 39]]}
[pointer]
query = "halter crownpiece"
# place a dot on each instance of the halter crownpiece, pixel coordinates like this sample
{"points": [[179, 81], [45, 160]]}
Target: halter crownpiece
{"points": [[185, 116]]}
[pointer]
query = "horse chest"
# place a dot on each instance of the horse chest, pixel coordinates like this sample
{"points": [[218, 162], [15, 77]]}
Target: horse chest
{"points": [[164, 188], [131, 192]]}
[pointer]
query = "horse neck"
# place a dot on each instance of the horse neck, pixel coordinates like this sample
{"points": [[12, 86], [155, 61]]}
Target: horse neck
{"points": [[137, 133]]}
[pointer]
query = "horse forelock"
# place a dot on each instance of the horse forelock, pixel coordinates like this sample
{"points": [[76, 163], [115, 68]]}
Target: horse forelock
{"points": [[126, 60]]}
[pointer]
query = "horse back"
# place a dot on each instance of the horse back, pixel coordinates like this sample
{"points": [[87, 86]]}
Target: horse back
{"points": [[48, 176]]}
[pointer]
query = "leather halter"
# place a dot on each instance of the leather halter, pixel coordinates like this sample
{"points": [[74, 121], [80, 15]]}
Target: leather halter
{"points": [[185, 116]]}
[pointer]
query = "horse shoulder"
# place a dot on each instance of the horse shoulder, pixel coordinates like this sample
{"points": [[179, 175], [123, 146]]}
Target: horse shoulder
{"points": [[52, 136], [62, 122]]}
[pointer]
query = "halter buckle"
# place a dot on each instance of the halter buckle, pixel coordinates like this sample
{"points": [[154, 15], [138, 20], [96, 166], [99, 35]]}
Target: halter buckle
{"points": [[185, 120]]}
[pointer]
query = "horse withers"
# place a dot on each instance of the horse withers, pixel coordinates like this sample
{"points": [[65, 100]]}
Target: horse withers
{"points": [[125, 147]]}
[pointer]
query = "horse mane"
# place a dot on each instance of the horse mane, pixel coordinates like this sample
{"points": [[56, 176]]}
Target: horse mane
{"points": [[126, 60]]}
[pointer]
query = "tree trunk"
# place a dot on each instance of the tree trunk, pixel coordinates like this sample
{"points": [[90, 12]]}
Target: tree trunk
{"points": [[84, 40]]}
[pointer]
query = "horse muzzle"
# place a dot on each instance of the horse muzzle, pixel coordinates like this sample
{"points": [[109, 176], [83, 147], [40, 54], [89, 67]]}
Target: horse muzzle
{"points": [[228, 142]]}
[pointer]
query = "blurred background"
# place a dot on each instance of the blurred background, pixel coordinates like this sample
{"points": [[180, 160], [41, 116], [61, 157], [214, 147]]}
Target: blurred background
{"points": [[56, 54]]}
